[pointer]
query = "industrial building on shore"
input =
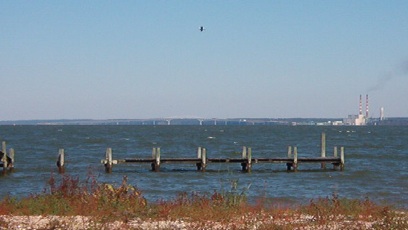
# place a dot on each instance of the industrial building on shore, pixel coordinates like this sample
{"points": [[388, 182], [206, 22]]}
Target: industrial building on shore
{"points": [[364, 119], [359, 119]]}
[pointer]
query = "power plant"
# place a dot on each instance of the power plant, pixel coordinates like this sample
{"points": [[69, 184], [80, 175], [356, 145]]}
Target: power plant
{"points": [[359, 119]]}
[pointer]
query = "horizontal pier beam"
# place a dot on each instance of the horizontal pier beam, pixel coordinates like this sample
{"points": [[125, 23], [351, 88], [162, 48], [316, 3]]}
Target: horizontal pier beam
{"points": [[320, 159], [228, 160], [162, 160]]}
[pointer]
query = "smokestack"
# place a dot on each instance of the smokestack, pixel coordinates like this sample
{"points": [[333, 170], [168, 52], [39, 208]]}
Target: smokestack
{"points": [[367, 106], [381, 113], [361, 106]]}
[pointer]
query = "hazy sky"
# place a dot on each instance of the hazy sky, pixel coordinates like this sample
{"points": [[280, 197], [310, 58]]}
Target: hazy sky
{"points": [[144, 59]]}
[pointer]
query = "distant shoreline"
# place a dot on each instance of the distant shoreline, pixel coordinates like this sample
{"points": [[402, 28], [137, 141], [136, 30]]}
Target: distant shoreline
{"points": [[204, 121]]}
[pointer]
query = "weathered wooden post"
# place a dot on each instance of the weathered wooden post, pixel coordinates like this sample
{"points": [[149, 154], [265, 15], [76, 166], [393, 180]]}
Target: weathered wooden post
{"points": [[295, 158], [157, 166], [249, 160], [335, 166], [244, 156], [11, 155], [4, 157], [153, 157], [108, 161], [341, 158], [244, 152], [323, 149], [154, 153], [61, 161], [247, 157], [203, 159], [156, 158], [199, 151], [289, 165]]}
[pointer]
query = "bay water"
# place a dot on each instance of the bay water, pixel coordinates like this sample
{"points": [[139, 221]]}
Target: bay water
{"points": [[376, 160]]}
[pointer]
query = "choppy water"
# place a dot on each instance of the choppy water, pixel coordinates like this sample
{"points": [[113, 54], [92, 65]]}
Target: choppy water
{"points": [[376, 159]]}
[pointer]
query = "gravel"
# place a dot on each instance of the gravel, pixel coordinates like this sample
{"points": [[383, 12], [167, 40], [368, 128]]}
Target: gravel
{"points": [[303, 222]]}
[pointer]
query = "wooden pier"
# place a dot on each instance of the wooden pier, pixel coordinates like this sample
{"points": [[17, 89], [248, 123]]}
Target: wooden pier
{"points": [[7, 160], [292, 160]]}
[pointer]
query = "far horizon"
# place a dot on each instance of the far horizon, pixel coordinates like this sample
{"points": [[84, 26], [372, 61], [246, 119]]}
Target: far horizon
{"points": [[242, 119]]}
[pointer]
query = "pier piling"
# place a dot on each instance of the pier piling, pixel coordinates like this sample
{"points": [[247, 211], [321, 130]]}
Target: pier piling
{"points": [[335, 166], [204, 159], [289, 165], [323, 149], [244, 155], [156, 157], [108, 161], [244, 152], [7, 160], [199, 153], [247, 159], [342, 158], [61, 161], [11, 156], [295, 158], [4, 159]]}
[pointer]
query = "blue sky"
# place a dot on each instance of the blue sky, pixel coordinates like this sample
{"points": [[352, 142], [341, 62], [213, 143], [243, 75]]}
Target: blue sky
{"points": [[148, 59]]}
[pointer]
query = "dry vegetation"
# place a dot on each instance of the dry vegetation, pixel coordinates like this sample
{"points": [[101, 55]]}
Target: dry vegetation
{"points": [[69, 204]]}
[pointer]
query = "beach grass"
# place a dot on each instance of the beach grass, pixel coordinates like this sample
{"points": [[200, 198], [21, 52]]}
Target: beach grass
{"points": [[103, 204]]}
